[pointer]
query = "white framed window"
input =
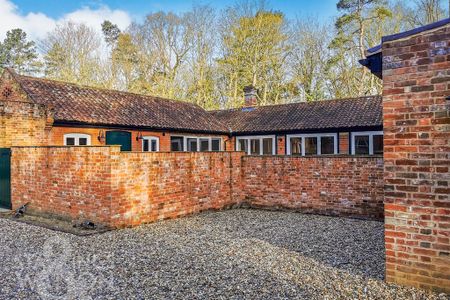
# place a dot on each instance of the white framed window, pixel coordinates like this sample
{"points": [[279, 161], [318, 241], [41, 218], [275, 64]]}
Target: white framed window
{"points": [[256, 145], [150, 144], [195, 143], [77, 139], [367, 142], [312, 144]]}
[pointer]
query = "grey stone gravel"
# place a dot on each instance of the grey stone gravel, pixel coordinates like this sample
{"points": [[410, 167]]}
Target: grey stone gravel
{"points": [[235, 254]]}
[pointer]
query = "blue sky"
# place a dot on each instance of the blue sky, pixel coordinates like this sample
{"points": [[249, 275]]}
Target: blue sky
{"points": [[38, 17], [323, 9]]}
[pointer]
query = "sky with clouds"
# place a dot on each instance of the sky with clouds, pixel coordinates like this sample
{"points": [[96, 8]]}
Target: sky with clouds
{"points": [[38, 17]]}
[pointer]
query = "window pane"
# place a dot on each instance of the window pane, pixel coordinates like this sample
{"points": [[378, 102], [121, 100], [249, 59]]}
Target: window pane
{"points": [[296, 146], [176, 143], [254, 147], [310, 145], [362, 144], [204, 145], [145, 145], [267, 146], [192, 145], [154, 145], [70, 141], [377, 144], [327, 145], [215, 144], [243, 145], [82, 141]]}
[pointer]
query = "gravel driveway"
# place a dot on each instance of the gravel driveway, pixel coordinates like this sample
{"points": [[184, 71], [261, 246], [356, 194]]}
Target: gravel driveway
{"points": [[235, 254]]}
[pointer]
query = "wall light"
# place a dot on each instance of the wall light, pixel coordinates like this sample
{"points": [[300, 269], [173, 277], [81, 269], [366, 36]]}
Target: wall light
{"points": [[139, 136], [101, 136]]}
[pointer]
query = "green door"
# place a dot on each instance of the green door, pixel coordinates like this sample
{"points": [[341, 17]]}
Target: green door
{"points": [[5, 178], [122, 138]]}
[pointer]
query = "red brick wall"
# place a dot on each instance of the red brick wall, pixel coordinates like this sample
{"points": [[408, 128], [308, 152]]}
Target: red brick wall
{"points": [[68, 182], [416, 79], [126, 189], [22, 123], [344, 142], [122, 189], [230, 143], [156, 186], [344, 186], [281, 144]]}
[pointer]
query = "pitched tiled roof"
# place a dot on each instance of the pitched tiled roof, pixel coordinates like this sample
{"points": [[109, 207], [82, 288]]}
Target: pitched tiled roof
{"points": [[81, 104], [318, 115]]}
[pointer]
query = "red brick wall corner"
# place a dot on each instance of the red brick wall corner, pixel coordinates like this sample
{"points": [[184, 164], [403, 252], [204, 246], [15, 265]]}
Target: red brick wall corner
{"points": [[416, 81]]}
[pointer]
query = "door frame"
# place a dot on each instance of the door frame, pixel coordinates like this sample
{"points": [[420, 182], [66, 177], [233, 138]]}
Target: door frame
{"points": [[120, 131], [6, 204]]}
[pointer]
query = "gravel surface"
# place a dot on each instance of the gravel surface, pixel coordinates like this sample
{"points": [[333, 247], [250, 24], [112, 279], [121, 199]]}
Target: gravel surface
{"points": [[235, 254]]}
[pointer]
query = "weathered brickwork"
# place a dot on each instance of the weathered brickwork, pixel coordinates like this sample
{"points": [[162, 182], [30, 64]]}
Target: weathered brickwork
{"points": [[281, 144], [122, 189], [22, 123], [416, 81], [341, 186], [127, 189], [344, 142], [30, 122], [156, 186], [67, 182]]}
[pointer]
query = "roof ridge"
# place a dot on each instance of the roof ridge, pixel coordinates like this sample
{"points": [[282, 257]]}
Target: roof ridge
{"points": [[369, 97], [150, 97], [29, 83]]}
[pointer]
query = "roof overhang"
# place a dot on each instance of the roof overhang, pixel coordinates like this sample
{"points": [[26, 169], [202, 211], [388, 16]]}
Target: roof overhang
{"points": [[373, 61], [67, 123], [374, 56]]}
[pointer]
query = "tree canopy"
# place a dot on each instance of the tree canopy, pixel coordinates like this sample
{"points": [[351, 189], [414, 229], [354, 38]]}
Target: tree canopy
{"points": [[207, 56]]}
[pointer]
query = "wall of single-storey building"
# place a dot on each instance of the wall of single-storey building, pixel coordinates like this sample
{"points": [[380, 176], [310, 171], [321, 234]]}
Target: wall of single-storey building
{"points": [[357, 141], [58, 133], [21, 122], [24, 123], [416, 82], [341, 186]]}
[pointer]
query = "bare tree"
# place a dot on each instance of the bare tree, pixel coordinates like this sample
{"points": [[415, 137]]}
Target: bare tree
{"points": [[199, 74], [72, 52], [427, 11], [163, 42], [307, 61]]}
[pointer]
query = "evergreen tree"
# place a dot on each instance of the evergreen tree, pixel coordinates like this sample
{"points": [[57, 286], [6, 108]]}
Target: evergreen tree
{"points": [[111, 32], [18, 53], [350, 42]]}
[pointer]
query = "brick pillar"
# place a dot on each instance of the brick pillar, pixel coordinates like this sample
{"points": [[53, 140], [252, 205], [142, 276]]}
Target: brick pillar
{"points": [[230, 143], [416, 81], [281, 145], [343, 142]]}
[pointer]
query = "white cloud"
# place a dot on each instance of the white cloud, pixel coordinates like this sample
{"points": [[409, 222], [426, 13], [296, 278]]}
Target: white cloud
{"points": [[37, 24], [95, 17]]}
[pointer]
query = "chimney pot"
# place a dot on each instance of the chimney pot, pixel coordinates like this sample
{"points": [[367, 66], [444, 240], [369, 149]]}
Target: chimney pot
{"points": [[250, 93]]}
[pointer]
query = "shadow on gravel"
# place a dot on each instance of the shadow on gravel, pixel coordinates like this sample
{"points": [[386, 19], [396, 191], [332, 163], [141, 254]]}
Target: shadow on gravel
{"points": [[356, 246]]}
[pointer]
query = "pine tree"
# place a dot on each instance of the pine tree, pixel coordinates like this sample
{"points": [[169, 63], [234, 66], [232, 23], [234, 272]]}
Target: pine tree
{"points": [[350, 41], [18, 53], [111, 32]]}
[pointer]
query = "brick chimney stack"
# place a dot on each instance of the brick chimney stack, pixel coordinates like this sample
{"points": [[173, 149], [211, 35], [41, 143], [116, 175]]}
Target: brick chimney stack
{"points": [[250, 96]]}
